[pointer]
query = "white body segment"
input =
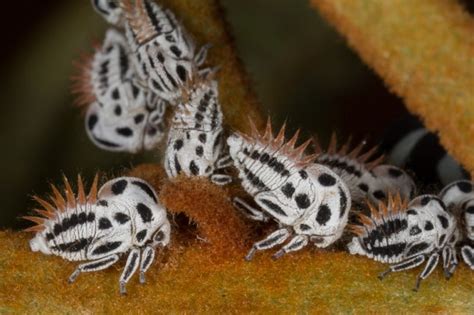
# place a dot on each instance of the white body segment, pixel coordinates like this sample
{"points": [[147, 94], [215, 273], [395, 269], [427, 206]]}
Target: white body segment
{"points": [[405, 235], [110, 10], [459, 198], [121, 114], [195, 140], [125, 216], [308, 200]]}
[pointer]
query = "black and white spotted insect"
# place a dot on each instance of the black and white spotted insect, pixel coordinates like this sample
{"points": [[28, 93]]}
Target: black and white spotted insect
{"points": [[459, 198], [363, 174], [124, 216], [405, 235], [121, 115], [110, 10], [308, 201], [195, 141], [165, 54]]}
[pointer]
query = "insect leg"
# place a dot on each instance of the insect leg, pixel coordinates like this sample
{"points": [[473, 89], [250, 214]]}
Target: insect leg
{"points": [[404, 265], [202, 54], [430, 266], [450, 261], [148, 254], [296, 243], [95, 265], [130, 268], [275, 238], [467, 253], [249, 211], [224, 162], [221, 179]]}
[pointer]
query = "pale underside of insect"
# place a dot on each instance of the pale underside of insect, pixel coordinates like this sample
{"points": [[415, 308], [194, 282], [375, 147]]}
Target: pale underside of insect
{"points": [[363, 173], [405, 235], [459, 199], [308, 201], [121, 114], [123, 216], [195, 141], [165, 55], [110, 10]]}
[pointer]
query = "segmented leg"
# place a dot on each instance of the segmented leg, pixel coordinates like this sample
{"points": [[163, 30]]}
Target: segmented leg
{"points": [[404, 265], [275, 238], [450, 261], [224, 162], [467, 253], [130, 267], [221, 179], [249, 211], [430, 266], [148, 255], [296, 243], [202, 54], [95, 265]]}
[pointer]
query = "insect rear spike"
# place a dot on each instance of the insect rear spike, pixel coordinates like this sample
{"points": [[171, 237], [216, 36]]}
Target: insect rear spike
{"points": [[70, 197], [34, 228], [81, 195], [44, 213], [383, 208], [268, 136], [317, 144], [92, 197], [365, 220], [345, 147], [374, 212], [290, 145], [375, 162], [253, 129], [356, 229], [46, 205], [364, 157], [332, 144], [280, 138], [58, 199], [299, 151], [355, 152], [37, 220]]}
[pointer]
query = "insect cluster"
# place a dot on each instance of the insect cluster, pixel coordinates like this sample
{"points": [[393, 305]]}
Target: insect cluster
{"points": [[148, 64]]}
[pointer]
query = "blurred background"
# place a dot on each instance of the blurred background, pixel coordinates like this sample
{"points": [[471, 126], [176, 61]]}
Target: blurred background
{"points": [[302, 70]]}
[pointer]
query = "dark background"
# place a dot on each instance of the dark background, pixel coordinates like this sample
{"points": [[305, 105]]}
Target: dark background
{"points": [[301, 69]]}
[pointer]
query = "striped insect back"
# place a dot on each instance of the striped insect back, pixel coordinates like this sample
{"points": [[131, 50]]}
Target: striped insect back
{"points": [[121, 115], [404, 235], [459, 198], [123, 216], [164, 52], [309, 200], [363, 173], [195, 140]]}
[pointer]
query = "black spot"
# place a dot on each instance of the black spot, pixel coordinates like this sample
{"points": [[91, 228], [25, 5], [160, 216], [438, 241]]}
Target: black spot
{"points": [[135, 91], [156, 85], [121, 217], [412, 212], [178, 144], [264, 158], [141, 235], [304, 227], [378, 194], [199, 150], [324, 214], [395, 172], [415, 230], [274, 207], [175, 51], [144, 212], [49, 236], [364, 187], [303, 174], [177, 165], [104, 224], [160, 57], [82, 218], [107, 247], [255, 155], [425, 200], [326, 179], [115, 94], [138, 118], [146, 189], [470, 210], [92, 121], [124, 131], [103, 203], [202, 137], [288, 190], [170, 38], [193, 168], [119, 186], [74, 246], [151, 131], [444, 222], [342, 202], [57, 229], [159, 236], [464, 186], [118, 110], [428, 226], [442, 239], [302, 201], [417, 248], [389, 250], [91, 217], [182, 73]]}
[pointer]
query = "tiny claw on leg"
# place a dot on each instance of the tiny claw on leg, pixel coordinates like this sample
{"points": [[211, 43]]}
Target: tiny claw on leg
{"points": [[384, 274], [74, 275], [250, 254], [278, 254], [142, 278], [417, 285], [123, 291]]}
